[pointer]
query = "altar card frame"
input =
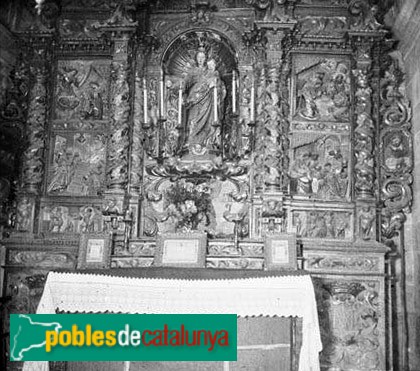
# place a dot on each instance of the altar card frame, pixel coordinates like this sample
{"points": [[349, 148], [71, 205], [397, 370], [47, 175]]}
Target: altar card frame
{"points": [[187, 250], [280, 251], [94, 251]]}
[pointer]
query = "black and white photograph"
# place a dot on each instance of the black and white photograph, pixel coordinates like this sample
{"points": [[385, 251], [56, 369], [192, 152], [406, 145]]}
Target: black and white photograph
{"points": [[254, 158]]}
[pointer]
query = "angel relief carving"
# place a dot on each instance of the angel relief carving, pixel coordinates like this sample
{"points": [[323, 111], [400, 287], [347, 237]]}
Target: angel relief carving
{"points": [[81, 90]]}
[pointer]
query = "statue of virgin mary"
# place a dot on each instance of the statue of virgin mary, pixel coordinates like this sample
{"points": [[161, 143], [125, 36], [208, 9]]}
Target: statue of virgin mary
{"points": [[205, 94]]}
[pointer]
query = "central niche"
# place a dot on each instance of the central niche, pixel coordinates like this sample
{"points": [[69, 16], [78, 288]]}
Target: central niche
{"points": [[197, 182], [200, 71]]}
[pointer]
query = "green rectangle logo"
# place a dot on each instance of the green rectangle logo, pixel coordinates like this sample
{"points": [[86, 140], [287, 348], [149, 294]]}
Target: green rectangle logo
{"points": [[123, 337]]}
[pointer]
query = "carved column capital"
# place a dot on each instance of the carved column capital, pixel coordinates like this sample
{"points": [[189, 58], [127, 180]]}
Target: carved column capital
{"points": [[277, 37]]}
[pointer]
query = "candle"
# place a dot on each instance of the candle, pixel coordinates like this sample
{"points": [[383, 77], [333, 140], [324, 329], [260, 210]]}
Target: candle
{"points": [[161, 93], [180, 104], [234, 92], [144, 100], [252, 103], [215, 104]]}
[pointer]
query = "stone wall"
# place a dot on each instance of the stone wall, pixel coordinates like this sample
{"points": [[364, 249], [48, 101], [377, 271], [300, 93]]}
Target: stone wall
{"points": [[407, 29]]}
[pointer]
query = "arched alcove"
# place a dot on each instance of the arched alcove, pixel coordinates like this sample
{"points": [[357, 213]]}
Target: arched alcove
{"points": [[195, 88], [180, 54]]}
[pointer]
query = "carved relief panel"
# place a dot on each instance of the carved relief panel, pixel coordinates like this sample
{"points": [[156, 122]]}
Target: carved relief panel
{"points": [[322, 224], [25, 288], [80, 123], [320, 165], [352, 322], [69, 218], [77, 166], [321, 89], [81, 91], [320, 148]]}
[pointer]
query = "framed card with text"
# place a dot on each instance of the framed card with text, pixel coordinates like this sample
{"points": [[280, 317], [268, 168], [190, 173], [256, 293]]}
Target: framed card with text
{"points": [[94, 251], [181, 250], [280, 251]]}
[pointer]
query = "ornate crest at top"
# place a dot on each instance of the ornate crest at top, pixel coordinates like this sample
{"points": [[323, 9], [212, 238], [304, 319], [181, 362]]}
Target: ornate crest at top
{"points": [[201, 12]]}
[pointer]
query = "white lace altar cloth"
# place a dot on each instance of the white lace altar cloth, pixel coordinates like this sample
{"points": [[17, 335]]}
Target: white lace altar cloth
{"points": [[261, 296]]}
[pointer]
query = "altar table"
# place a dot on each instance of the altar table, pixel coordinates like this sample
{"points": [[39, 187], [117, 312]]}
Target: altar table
{"points": [[195, 291]]}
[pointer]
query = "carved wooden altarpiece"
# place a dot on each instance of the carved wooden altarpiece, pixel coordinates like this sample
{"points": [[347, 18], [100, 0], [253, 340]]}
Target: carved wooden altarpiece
{"points": [[240, 119]]}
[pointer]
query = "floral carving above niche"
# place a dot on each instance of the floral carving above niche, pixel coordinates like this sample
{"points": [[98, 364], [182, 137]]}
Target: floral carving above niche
{"points": [[195, 204], [189, 206]]}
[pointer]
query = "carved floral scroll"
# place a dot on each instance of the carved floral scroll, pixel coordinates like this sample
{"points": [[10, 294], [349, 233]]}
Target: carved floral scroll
{"points": [[396, 151]]}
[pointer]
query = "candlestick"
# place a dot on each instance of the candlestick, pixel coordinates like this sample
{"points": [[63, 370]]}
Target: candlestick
{"points": [[234, 92], [144, 100], [215, 104], [180, 104], [252, 102], [161, 93]]}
